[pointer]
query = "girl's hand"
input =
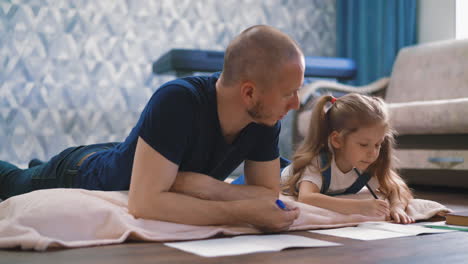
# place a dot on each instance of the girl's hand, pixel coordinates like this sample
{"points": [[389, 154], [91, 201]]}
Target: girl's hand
{"points": [[399, 215], [373, 207]]}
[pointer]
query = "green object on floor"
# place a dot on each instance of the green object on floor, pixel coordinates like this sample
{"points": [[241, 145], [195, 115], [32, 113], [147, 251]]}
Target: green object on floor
{"points": [[443, 225]]}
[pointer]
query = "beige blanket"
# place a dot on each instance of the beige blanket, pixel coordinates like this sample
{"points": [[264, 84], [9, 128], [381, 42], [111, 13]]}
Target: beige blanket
{"points": [[78, 218]]}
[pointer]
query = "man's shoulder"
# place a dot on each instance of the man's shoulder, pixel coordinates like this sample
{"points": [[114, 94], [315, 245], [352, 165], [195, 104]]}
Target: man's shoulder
{"points": [[194, 87], [177, 87]]}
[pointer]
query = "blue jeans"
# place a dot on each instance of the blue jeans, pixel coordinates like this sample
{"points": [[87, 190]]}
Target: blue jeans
{"points": [[59, 172], [283, 164]]}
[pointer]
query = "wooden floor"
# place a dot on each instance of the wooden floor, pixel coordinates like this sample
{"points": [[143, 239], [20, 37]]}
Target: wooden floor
{"points": [[455, 199], [436, 248]]}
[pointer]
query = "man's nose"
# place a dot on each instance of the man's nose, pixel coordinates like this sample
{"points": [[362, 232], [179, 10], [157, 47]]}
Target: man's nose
{"points": [[294, 104]]}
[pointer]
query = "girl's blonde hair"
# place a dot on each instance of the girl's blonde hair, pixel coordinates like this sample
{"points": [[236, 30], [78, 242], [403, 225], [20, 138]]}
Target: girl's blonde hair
{"points": [[346, 115]]}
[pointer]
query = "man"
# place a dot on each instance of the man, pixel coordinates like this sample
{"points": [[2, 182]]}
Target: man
{"points": [[191, 135]]}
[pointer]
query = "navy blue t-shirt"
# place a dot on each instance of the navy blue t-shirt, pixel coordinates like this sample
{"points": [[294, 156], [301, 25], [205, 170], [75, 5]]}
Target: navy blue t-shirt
{"points": [[181, 122]]}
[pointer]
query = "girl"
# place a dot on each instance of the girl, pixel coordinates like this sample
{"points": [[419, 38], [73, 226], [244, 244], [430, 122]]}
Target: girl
{"points": [[349, 146]]}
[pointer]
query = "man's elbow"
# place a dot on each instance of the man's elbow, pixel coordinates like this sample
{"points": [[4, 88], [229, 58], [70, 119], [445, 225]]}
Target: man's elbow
{"points": [[135, 210], [152, 207], [139, 207]]}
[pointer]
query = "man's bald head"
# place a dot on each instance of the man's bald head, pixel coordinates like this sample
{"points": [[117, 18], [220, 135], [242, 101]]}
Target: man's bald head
{"points": [[257, 54]]}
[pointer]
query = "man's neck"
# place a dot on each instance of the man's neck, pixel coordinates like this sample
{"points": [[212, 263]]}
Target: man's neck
{"points": [[231, 115]]}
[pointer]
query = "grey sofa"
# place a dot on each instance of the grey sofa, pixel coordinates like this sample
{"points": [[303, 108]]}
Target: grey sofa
{"points": [[427, 94]]}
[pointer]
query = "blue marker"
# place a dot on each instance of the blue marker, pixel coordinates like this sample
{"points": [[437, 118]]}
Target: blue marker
{"points": [[281, 205]]}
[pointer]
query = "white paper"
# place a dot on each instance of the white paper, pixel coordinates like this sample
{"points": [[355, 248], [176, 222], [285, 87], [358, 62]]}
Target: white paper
{"points": [[379, 230], [410, 229], [359, 233], [247, 244]]}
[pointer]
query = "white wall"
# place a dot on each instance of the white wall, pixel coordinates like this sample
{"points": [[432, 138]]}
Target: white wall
{"points": [[436, 20]]}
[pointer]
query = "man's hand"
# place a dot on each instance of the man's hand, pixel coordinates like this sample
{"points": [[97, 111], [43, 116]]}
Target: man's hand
{"points": [[265, 215]]}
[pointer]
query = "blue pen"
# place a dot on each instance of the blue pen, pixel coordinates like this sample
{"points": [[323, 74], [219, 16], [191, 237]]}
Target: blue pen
{"points": [[281, 205]]}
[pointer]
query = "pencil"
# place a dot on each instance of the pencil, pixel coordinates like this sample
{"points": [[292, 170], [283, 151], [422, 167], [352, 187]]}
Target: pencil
{"points": [[372, 192]]}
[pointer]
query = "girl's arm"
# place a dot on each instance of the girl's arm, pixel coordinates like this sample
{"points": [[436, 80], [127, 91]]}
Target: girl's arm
{"points": [[399, 197], [398, 210], [309, 193], [395, 201]]}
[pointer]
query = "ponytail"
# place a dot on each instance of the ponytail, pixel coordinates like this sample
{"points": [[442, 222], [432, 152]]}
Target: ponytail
{"points": [[391, 184]]}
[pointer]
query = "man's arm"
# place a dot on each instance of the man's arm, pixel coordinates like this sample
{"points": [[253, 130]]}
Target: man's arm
{"points": [[150, 197], [264, 174], [262, 181], [205, 187]]}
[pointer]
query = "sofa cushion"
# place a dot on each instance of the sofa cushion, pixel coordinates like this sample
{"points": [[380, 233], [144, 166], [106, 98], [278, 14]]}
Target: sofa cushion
{"points": [[431, 71], [430, 117], [419, 117]]}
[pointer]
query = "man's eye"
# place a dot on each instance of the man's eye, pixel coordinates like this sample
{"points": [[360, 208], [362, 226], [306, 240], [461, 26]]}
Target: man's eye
{"points": [[363, 145], [292, 94]]}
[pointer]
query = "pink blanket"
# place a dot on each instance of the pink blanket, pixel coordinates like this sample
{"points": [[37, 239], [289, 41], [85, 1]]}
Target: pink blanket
{"points": [[79, 218]]}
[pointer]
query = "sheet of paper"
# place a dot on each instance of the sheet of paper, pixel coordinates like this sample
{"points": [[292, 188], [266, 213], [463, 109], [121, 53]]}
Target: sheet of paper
{"points": [[247, 244], [359, 233], [379, 230], [410, 229]]}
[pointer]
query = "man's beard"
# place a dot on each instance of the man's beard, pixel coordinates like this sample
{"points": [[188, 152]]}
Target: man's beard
{"points": [[258, 114]]}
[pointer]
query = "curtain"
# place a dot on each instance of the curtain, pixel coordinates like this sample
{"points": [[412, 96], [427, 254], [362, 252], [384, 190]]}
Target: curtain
{"points": [[372, 32]]}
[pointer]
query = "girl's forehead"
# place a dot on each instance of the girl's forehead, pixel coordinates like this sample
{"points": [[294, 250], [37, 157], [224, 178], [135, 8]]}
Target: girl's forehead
{"points": [[373, 132]]}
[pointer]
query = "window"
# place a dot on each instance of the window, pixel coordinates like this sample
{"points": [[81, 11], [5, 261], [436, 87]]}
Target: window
{"points": [[461, 23]]}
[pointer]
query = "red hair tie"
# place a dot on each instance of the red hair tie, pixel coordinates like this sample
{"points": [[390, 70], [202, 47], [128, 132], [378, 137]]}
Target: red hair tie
{"points": [[333, 100]]}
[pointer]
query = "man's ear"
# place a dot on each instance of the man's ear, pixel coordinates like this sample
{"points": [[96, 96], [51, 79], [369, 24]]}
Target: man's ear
{"points": [[247, 92], [336, 140]]}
